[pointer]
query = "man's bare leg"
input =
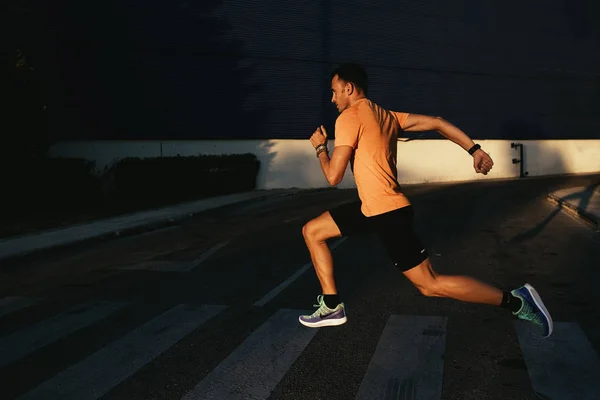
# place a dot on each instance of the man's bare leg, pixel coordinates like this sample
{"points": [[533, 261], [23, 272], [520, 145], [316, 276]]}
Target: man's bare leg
{"points": [[523, 302], [316, 232], [463, 288], [331, 311]]}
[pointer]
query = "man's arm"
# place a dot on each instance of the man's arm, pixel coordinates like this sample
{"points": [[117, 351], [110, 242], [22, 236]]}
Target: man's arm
{"points": [[417, 123], [333, 168], [420, 123]]}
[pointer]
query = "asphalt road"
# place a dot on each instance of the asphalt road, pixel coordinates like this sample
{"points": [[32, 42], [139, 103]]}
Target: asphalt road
{"points": [[190, 311]]}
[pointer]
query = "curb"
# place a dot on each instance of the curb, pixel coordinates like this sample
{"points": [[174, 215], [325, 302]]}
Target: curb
{"points": [[585, 216], [17, 248]]}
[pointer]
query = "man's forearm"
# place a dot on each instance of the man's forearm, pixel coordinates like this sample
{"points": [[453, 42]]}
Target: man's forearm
{"points": [[454, 134], [324, 161]]}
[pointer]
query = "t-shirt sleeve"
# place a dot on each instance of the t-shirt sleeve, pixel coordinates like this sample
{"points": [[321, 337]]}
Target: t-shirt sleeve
{"points": [[400, 117], [347, 129]]}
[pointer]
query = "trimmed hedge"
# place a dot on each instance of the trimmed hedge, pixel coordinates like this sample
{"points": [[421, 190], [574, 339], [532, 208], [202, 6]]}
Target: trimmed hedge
{"points": [[66, 185], [45, 185], [157, 181]]}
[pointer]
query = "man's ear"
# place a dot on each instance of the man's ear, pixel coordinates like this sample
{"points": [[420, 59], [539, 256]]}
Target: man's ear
{"points": [[349, 88]]}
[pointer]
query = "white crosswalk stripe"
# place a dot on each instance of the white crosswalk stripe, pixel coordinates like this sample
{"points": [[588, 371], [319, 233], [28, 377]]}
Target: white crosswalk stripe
{"points": [[407, 363], [11, 304], [103, 370], [409, 360], [28, 340], [253, 369], [563, 366]]}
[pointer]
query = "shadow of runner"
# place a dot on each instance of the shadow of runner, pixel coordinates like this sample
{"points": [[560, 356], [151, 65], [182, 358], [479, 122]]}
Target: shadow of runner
{"points": [[583, 196]]}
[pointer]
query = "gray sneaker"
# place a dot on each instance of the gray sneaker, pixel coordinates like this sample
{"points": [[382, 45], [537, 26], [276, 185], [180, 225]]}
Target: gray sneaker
{"points": [[324, 316]]}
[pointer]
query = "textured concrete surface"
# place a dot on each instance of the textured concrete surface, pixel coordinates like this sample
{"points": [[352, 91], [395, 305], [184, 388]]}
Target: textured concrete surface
{"points": [[182, 302]]}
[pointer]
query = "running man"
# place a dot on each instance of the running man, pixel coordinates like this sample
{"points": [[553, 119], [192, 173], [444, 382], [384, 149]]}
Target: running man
{"points": [[366, 136]]}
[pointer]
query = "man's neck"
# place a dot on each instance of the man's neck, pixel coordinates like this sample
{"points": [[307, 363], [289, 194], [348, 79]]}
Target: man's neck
{"points": [[354, 100]]}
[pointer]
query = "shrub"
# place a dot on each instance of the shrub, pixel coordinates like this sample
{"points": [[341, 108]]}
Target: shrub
{"points": [[50, 184], [136, 182], [62, 186]]}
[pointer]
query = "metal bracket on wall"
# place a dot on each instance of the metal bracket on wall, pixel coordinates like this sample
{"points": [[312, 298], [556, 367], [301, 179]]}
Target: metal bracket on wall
{"points": [[519, 160]]}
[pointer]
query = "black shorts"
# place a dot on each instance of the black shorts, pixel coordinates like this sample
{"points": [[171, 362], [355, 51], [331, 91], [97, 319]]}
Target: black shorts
{"points": [[394, 229]]}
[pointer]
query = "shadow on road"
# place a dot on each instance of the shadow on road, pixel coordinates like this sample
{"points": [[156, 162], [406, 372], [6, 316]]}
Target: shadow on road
{"points": [[583, 196]]}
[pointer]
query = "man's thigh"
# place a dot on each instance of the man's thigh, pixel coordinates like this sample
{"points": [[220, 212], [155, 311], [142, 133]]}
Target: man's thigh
{"points": [[395, 231], [349, 219]]}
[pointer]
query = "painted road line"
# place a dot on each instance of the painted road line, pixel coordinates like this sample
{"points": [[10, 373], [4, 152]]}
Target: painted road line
{"points": [[15, 303], [254, 368], [20, 343], [208, 253], [97, 374], [157, 231], [269, 296], [408, 362], [176, 266], [563, 366], [159, 266]]}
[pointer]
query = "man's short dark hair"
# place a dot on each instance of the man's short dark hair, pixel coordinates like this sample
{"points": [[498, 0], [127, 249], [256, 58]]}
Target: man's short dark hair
{"points": [[353, 73]]}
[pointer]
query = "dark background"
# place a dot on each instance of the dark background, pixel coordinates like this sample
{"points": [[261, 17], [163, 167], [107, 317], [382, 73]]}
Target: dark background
{"points": [[246, 69]]}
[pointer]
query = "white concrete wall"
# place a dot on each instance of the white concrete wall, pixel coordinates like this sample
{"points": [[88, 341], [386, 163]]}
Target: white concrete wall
{"points": [[292, 163]]}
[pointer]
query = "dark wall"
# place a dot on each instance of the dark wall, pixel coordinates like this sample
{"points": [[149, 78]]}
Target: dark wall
{"points": [[496, 69], [173, 69]]}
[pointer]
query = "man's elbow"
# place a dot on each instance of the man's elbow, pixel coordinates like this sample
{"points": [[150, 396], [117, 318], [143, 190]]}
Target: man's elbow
{"points": [[438, 123], [334, 180]]}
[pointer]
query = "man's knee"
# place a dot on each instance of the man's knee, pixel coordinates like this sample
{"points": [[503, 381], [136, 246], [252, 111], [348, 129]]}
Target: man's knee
{"points": [[320, 229], [311, 230], [426, 280], [429, 287], [307, 229]]}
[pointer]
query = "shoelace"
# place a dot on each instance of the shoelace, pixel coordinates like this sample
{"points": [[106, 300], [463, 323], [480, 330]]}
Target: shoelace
{"points": [[320, 306], [320, 300], [529, 313]]}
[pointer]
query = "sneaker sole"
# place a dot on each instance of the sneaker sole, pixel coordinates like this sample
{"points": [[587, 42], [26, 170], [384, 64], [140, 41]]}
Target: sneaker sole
{"points": [[540, 304], [326, 322]]}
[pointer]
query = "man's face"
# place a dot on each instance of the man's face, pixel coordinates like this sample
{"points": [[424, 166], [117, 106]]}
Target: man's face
{"points": [[339, 95]]}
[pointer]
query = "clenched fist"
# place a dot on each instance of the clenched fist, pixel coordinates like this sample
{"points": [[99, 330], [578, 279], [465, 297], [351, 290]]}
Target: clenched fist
{"points": [[482, 162], [319, 136]]}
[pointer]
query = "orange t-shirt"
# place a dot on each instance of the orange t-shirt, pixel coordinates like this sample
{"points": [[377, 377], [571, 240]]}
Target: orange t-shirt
{"points": [[372, 132]]}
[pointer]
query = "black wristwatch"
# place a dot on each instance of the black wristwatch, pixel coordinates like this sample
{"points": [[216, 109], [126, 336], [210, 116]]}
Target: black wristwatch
{"points": [[474, 149]]}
